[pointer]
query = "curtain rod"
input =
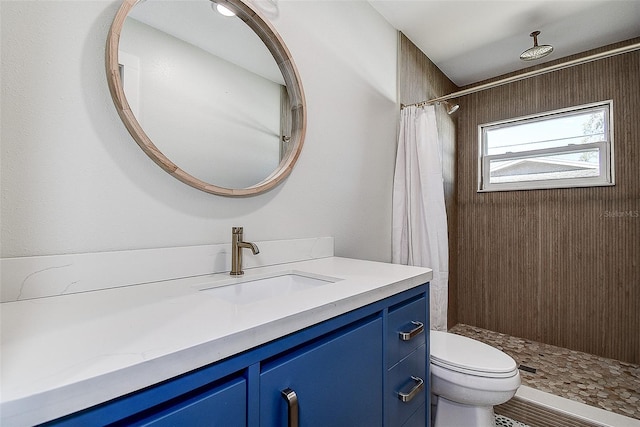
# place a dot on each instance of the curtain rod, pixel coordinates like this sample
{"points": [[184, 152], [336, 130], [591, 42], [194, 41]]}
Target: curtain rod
{"points": [[491, 85]]}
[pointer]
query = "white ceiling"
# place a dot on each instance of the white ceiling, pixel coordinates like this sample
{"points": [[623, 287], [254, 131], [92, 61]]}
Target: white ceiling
{"points": [[473, 40]]}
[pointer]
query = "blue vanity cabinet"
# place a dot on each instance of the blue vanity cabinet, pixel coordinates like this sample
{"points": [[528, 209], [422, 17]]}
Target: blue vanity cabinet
{"points": [[367, 367], [335, 382]]}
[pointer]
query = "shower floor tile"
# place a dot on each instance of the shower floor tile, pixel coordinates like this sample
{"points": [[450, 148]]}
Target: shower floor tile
{"points": [[596, 381]]}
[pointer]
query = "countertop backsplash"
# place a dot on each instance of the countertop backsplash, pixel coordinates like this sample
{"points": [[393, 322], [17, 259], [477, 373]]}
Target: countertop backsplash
{"points": [[25, 278]]}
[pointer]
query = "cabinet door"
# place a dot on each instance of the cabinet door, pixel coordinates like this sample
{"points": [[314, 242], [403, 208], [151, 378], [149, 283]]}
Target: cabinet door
{"points": [[337, 381], [223, 406]]}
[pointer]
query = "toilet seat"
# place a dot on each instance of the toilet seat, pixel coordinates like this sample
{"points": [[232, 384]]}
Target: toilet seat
{"points": [[468, 356]]}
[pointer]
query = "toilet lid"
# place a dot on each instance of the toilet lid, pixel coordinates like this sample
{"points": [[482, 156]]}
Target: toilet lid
{"points": [[466, 355]]}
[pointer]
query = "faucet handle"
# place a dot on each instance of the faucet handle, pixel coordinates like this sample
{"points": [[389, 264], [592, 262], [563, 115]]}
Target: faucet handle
{"points": [[236, 230]]}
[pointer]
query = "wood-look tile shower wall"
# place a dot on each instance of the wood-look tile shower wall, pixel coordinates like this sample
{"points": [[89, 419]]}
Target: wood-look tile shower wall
{"points": [[559, 266], [418, 80]]}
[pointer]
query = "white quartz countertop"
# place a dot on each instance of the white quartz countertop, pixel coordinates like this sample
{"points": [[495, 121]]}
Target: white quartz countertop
{"points": [[66, 353]]}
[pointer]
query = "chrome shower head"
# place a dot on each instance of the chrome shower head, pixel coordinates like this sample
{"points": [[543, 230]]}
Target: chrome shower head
{"points": [[536, 52], [451, 108]]}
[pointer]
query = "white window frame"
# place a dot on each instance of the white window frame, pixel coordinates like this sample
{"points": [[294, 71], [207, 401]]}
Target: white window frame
{"points": [[606, 174]]}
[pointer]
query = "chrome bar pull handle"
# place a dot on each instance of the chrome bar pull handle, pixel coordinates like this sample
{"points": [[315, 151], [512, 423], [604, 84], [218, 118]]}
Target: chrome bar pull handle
{"points": [[417, 388], [292, 406], [407, 336]]}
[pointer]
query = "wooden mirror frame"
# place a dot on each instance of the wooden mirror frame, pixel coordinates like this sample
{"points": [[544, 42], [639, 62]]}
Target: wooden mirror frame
{"points": [[283, 58]]}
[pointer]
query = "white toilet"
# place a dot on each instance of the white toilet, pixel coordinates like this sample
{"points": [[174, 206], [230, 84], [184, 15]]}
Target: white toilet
{"points": [[468, 378]]}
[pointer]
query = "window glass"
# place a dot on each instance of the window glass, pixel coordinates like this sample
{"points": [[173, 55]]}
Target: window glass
{"points": [[566, 148], [555, 132]]}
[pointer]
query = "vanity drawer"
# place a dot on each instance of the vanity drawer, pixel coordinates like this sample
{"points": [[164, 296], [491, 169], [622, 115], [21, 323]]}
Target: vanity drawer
{"points": [[418, 419], [409, 378], [406, 329]]}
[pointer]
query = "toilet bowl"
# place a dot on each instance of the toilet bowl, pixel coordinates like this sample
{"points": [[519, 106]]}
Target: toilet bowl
{"points": [[468, 378]]}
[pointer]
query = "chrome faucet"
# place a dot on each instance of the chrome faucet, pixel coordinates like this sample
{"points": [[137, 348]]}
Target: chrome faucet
{"points": [[236, 250]]}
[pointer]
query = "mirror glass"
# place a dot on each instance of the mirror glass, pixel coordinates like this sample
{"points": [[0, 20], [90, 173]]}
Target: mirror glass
{"points": [[214, 100]]}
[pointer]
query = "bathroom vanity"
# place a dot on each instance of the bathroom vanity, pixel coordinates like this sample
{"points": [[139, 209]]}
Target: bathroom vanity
{"points": [[341, 342]]}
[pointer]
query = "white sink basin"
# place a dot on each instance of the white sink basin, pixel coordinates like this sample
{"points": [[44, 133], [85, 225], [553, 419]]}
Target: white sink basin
{"points": [[250, 290]]}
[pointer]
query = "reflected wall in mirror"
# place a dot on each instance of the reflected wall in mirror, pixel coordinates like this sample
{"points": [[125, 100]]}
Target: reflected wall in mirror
{"points": [[215, 101]]}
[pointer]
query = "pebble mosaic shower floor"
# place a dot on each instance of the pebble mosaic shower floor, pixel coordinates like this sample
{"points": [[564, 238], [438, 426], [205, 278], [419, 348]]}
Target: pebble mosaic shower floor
{"points": [[596, 381]]}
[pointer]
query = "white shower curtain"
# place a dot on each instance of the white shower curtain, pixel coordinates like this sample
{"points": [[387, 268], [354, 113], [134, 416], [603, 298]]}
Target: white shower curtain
{"points": [[419, 216]]}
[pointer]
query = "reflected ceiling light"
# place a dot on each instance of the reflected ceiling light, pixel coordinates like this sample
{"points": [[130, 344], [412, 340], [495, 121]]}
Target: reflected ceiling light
{"points": [[222, 10], [536, 52]]}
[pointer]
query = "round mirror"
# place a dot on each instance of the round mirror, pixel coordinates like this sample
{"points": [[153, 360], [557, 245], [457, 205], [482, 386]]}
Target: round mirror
{"points": [[215, 100]]}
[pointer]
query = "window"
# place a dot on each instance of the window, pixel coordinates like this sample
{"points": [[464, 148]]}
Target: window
{"points": [[558, 149]]}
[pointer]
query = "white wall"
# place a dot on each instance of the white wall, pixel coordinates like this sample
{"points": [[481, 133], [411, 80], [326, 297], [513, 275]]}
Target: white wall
{"points": [[74, 181]]}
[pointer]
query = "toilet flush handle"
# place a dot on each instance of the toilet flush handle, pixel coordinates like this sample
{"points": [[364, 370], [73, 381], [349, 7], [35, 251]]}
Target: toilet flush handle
{"points": [[407, 336]]}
